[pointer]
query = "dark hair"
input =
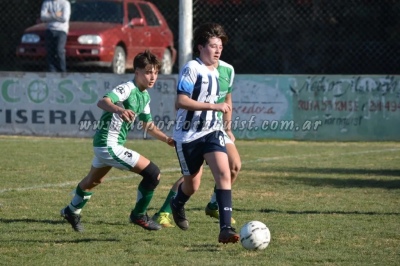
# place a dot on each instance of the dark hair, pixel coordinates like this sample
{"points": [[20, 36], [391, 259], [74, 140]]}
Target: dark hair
{"points": [[145, 59], [204, 32]]}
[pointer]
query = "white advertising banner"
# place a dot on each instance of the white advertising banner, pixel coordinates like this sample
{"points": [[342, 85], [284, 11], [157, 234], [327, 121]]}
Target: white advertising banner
{"points": [[47, 104], [322, 107]]}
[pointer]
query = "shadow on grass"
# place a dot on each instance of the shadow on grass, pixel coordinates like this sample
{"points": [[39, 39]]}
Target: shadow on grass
{"points": [[204, 248], [107, 223], [303, 212], [340, 171], [348, 182], [75, 241], [344, 182], [7, 221], [61, 221], [328, 212]]}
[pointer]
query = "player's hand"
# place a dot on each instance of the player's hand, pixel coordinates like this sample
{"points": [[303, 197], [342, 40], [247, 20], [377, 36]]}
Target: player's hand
{"points": [[126, 115], [59, 14], [170, 141], [223, 107], [230, 135]]}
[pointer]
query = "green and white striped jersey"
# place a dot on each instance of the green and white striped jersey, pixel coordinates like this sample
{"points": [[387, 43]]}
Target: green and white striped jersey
{"points": [[112, 129]]}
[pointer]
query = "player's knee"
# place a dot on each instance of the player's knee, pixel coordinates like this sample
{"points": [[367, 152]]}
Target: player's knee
{"points": [[151, 176]]}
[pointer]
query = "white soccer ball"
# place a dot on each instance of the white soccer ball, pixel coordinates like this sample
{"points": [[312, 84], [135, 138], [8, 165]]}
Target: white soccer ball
{"points": [[255, 235]]}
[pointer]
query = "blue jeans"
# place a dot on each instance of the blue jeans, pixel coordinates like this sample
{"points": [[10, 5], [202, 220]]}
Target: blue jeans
{"points": [[55, 46]]}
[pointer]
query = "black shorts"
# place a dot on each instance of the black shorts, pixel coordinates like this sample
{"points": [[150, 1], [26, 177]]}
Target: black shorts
{"points": [[191, 154]]}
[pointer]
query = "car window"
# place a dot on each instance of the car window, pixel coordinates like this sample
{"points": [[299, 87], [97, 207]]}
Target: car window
{"points": [[97, 11], [151, 18], [133, 12]]}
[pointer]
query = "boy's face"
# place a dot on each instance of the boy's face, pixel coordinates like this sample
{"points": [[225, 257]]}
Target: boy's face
{"points": [[146, 77], [211, 52]]}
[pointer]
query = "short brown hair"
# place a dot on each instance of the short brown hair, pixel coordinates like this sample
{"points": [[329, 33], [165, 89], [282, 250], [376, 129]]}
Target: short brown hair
{"points": [[204, 32], [143, 60]]}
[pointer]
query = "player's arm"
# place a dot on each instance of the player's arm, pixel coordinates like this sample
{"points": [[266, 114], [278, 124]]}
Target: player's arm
{"points": [[63, 16], [155, 132], [183, 101], [107, 105], [227, 117], [45, 14]]}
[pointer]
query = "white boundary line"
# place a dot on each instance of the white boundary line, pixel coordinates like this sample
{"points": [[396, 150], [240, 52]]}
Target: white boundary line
{"points": [[65, 184], [169, 170]]}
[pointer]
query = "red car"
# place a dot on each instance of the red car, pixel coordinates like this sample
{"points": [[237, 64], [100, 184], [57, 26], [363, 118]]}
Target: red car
{"points": [[106, 33]]}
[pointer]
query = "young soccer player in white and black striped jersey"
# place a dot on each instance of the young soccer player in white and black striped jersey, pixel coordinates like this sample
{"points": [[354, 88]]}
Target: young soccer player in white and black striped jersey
{"points": [[198, 132], [226, 77]]}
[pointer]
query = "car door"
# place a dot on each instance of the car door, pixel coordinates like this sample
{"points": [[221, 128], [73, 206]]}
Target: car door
{"points": [[154, 29], [139, 37]]}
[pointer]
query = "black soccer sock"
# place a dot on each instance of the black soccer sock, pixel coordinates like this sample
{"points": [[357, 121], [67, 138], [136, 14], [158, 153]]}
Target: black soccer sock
{"points": [[181, 198], [224, 199]]}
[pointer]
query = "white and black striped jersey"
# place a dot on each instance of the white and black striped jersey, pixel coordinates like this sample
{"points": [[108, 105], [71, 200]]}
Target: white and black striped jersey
{"points": [[201, 84]]}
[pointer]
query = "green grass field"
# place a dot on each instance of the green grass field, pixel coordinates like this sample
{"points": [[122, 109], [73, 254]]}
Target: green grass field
{"points": [[325, 203]]}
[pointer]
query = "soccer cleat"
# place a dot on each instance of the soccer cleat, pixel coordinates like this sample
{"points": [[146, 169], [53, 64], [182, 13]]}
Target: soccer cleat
{"points": [[215, 214], [228, 235], [73, 219], [144, 221], [179, 216], [163, 219]]}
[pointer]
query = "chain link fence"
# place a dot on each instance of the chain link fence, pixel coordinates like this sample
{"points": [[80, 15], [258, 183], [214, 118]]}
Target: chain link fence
{"points": [[268, 36]]}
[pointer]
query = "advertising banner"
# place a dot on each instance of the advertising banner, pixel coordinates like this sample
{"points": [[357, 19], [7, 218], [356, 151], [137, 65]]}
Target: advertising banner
{"points": [[348, 107], [262, 108], [65, 105], [321, 107]]}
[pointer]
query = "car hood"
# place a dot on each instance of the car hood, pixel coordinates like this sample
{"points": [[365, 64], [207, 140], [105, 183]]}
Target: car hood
{"points": [[79, 28]]}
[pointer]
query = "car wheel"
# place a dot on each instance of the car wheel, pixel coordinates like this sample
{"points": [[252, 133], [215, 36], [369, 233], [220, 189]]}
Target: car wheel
{"points": [[119, 61], [166, 68]]}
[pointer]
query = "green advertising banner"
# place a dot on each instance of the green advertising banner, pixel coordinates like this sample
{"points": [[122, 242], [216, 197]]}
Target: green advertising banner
{"points": [[53, 104]]}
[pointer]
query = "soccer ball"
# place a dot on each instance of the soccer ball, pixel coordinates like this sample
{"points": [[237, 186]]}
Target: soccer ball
{"points": [[255, 235]]}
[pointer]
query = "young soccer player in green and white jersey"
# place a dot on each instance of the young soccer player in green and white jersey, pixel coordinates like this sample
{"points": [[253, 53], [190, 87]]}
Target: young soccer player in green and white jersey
{"points": [[225, 80], [120, 106]]}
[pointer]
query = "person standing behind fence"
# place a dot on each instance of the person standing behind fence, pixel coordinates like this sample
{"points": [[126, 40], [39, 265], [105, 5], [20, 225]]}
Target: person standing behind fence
{"points": [[56, 14]]}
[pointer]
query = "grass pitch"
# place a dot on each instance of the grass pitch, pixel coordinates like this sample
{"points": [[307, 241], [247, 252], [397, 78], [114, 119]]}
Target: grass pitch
{"points": [[325, 203]]}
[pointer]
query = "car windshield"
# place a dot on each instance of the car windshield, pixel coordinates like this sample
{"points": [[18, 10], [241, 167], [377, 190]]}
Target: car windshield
{"points": [[97, 11]]}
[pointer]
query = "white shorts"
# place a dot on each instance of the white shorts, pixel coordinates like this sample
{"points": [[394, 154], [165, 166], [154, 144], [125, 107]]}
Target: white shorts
{"points": [[115, 156]]}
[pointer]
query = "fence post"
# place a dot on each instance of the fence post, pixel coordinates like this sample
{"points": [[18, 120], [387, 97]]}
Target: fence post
{"points": [[185, 31]]}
